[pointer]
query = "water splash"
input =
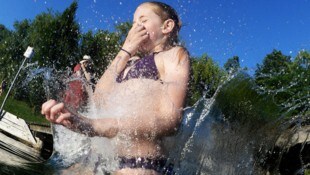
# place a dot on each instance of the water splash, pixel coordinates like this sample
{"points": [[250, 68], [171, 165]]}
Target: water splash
{"points": [[238, 131]]}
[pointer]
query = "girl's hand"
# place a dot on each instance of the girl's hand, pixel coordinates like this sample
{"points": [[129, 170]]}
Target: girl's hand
{"points": [[136, 35], [56, 113]]}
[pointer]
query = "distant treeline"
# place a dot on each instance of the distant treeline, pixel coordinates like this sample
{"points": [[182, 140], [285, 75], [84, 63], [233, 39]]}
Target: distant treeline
{"points": [[59, 44]]}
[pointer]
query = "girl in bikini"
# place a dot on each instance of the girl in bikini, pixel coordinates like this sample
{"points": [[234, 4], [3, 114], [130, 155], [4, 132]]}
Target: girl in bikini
{"points": [[148, 93]]}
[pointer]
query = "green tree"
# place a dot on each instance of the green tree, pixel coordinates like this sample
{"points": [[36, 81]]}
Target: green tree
{"points": [[5, 38], [4, 32], [12, 48], [20, 41], [286, 81], [101, 46], [55, 38], [274, 73], [232, 65], [299, 86], [206, 76]]}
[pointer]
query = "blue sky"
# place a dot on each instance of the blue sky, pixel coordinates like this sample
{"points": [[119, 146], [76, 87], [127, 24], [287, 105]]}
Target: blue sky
{"points": [[221, 28]]}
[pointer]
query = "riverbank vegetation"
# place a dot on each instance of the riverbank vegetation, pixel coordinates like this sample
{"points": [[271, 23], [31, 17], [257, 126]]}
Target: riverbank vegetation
{"points": [[22, 109]]}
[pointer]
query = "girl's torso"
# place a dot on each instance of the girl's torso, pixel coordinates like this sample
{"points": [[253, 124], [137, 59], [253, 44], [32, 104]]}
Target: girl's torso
{"points": [[137, 91]]}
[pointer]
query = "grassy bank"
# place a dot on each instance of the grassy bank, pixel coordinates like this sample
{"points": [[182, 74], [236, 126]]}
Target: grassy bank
{"points": [[22, 110]]}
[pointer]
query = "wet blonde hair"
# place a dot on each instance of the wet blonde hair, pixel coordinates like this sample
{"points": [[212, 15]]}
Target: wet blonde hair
{"points": [[165, 11]]}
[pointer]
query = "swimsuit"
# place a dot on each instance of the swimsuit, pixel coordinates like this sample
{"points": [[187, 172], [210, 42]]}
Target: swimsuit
{"points": [[157, 164], [141, 68]]}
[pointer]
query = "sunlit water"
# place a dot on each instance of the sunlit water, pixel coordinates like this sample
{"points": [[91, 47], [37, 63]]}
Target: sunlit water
{"points": [[235, 132]]}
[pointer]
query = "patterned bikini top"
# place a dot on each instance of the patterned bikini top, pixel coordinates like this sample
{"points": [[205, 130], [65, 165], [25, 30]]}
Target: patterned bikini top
{"points": [[141, 68]]}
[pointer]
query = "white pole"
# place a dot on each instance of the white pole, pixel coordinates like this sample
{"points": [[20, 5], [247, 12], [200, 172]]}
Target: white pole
{"points": [[28, 54]]}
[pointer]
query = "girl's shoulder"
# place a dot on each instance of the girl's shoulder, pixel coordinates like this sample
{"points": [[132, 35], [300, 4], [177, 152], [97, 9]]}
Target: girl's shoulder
{"points": [[177, 49], [176, 54]]}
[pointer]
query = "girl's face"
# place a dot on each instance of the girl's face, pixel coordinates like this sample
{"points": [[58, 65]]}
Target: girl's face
{"points": [[145, 16]]}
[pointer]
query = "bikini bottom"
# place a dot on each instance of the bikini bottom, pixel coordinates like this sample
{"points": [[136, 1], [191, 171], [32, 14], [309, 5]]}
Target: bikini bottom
{"points": [[157, 164]]}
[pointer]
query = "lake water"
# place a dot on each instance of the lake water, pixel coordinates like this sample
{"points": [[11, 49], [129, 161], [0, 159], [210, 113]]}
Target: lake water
{"points": [[238, 131]]}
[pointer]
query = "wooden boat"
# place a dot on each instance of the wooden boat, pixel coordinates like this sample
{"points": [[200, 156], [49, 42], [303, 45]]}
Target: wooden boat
{"points": [[17, 137]]}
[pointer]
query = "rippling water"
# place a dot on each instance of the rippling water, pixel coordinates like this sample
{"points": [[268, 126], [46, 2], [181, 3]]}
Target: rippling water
{"points": [[238, 131]]}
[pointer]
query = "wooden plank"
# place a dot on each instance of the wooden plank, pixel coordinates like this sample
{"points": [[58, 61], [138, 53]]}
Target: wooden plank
{"points": [[40, 128], [17, 127], [19, 149]]}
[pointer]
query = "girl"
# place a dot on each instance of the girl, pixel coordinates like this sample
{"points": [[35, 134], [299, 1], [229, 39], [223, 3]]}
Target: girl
{"points": [[146, 95]]}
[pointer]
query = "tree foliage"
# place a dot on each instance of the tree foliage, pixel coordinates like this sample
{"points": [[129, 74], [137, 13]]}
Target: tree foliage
{"points": [[286, 80], [273, 73], [232, 65], [55, 38], [299, 86], [5, 39], [101, 46], [4, 32], [206, 76]]}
